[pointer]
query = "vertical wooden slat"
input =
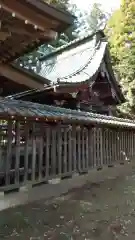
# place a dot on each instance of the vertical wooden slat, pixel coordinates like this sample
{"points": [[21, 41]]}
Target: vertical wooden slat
{"points": [[70, 150], [74, 149], [127, 145], [90, 148], [34, 150], [128, 148], [123, 146], [87, 149], [98, 148], [40, 149], [104, 146], [101, 147], [110, 148], [83, 150], [47, 151], [65, 151], [120, 145], [107, 146], [17, 152], [26, 151], [9, 151], [132, 146], [79, 150], [53, 152], [114, 145], [59, 150], [94, 147], [1, 159], [117, 146]]}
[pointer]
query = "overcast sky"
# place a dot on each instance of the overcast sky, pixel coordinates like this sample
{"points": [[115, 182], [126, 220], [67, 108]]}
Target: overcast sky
{"points": [[108, 5]]}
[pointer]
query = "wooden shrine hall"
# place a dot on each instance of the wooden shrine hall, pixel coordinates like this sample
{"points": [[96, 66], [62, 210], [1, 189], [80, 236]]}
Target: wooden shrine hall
{"points": [[79, 76], [39, 142]]}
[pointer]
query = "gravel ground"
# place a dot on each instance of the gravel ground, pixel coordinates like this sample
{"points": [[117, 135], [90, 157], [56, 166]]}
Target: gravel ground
{"points": [[96, 211]]}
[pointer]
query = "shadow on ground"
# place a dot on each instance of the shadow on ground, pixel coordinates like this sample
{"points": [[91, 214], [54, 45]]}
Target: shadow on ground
{"points": [[96, 211]]}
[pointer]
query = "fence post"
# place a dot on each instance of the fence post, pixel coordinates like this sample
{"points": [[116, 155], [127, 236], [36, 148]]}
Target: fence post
{"points": [[101, 147], [9, 152], [26, 151], [17, 151]]}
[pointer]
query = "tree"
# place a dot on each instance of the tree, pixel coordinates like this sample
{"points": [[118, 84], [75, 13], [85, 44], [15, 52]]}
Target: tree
{"points": [[97, 17], [121, 35], [61, 4]]}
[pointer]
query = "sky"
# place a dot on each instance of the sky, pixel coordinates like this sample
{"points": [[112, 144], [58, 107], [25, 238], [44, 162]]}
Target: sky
{"points": [[108, 5]]}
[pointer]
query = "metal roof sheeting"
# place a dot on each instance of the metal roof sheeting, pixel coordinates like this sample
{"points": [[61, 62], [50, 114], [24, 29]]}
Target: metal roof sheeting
{"points": [[75, 65], [23, 109]]}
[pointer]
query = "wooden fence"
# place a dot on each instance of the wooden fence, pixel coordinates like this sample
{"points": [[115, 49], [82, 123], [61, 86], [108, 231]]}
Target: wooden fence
{"points": [[32, 152]]}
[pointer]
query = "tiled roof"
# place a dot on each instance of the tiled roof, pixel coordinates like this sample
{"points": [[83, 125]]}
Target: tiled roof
{"points": [[74, 62], [75, 65], [23, 110], [73, 44]]}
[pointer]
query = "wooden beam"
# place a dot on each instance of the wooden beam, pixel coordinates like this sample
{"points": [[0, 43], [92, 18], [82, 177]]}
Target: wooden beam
{"points": [[26, 14], [19, 77], [47, 34], [4, 35]]}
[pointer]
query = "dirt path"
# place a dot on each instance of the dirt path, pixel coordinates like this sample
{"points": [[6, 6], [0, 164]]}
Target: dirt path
{"points": [[96, 211]]}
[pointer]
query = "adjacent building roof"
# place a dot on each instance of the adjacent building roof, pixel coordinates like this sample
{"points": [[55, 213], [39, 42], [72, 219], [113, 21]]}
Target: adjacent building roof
{"points": [[16, 109], [79, 62], [28, 24]]}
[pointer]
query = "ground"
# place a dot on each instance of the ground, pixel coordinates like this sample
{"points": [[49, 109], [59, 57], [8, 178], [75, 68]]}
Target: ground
{"points": [[97, 211]]}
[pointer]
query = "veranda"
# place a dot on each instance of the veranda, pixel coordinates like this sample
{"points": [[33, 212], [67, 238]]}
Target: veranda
{"points": [[39, 143]]}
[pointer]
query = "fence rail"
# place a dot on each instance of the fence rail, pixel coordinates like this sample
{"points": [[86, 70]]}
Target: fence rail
{"points": [[32, 152]]}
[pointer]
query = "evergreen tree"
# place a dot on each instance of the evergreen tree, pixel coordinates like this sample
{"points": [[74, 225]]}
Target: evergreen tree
{"points": [[97, 17]]}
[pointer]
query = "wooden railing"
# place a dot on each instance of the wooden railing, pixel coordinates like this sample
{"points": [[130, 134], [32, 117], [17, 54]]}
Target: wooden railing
{"points": [[32, 152]]}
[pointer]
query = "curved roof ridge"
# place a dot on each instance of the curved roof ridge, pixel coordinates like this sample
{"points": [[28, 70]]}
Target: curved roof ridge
{"points": [[84, 66], [70, 44]]}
